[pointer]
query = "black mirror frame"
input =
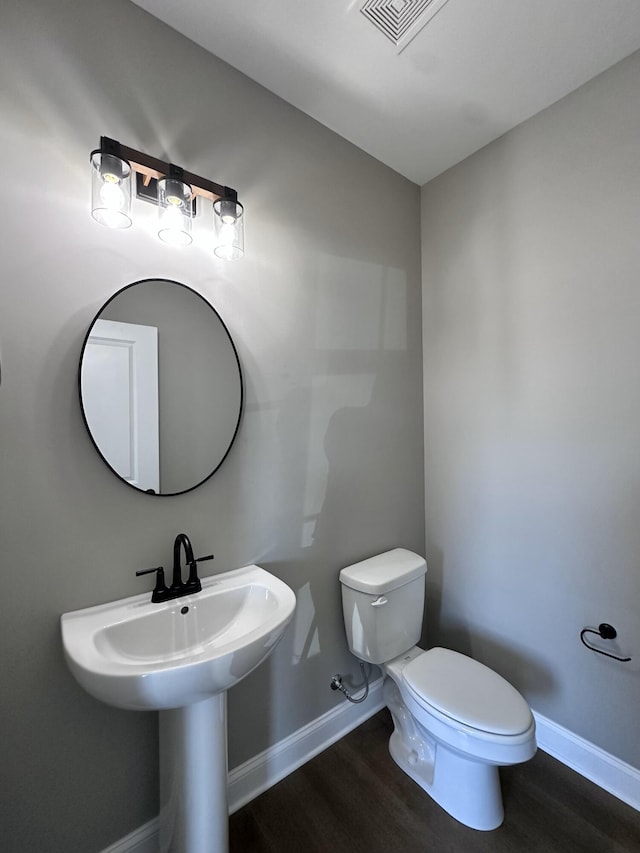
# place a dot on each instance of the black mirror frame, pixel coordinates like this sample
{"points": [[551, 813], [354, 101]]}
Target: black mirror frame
{"points": [[242, 392]]}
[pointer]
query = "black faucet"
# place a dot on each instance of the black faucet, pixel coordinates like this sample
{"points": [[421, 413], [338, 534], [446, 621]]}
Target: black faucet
{"points": [[193, 583], [178, 588]]}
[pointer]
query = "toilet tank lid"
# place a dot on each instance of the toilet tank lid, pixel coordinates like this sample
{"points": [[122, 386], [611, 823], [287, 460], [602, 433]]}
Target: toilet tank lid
{"points": [[384, 572]]}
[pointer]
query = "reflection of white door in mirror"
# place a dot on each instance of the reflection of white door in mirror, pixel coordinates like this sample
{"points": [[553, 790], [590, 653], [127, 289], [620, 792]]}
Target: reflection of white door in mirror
{"points": [[120, 398]]}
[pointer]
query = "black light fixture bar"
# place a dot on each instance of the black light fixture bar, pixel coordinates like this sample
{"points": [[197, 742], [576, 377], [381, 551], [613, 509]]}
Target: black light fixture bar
{"points": [[154, 168]]}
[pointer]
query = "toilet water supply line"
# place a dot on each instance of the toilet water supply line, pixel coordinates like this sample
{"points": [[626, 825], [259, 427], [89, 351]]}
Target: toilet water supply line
{"points": [[336, 684]]}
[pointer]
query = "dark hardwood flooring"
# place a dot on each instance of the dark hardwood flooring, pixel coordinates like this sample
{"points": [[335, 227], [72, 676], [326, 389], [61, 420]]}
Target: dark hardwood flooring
{"points": [[352, 798]]}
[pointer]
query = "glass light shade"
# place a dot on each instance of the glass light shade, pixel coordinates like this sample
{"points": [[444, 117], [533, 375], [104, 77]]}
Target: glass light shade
{"points": [[175, 212], [110, 190], [228, 218]]}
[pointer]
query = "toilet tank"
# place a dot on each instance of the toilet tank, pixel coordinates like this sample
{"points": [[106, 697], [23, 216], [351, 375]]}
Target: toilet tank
{"points": [[383, 604]]}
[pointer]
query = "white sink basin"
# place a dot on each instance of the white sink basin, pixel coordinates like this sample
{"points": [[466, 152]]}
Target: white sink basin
{"points": [[143, 656]]}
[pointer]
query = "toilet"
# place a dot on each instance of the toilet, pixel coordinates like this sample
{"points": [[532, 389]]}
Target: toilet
{"points": [[455, 720]]}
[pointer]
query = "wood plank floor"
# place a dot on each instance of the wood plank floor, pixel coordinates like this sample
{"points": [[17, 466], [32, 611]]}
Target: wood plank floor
{"points": [[352, 798]]}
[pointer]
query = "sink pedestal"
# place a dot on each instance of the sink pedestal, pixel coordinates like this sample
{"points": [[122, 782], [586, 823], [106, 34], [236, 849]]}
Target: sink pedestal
{"points": [[194, 815]]}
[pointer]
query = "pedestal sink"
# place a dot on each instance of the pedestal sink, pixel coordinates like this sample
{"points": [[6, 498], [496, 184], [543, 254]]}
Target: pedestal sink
{"points": [[180, 657]]}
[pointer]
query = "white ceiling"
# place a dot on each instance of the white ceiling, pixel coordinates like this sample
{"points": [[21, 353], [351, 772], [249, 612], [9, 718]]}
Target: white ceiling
{"points": [[475, 70]]}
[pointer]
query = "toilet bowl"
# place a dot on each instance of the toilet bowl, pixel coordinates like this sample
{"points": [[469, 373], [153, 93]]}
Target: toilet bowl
{"points": [[455, 720]]}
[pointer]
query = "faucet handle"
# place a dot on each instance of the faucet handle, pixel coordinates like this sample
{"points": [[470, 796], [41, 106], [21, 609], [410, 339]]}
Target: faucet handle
{"points": [[193, 582], [160, 590], [158, 569]]}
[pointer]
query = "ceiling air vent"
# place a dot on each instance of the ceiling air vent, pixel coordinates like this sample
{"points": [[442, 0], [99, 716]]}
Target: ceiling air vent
{"points": [[400, 20]]}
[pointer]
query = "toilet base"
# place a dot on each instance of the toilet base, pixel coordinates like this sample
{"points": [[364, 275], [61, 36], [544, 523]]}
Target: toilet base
{"points": [[468, 790]]}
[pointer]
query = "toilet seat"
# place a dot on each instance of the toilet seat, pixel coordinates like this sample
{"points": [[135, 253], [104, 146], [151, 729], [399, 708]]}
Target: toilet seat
{"points": [[449, 670], [466, 692]]}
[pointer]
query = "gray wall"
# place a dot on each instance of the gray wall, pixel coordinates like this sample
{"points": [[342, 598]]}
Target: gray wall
{"points": [[328, 467], [531, 305]]}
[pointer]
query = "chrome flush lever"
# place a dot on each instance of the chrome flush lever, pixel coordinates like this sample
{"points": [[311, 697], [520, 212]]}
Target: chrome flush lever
{"points": [[380, 600]]}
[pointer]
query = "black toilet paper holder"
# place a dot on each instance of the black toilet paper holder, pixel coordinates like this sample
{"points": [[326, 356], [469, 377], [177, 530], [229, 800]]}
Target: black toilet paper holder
{"points": [[606, 632]]}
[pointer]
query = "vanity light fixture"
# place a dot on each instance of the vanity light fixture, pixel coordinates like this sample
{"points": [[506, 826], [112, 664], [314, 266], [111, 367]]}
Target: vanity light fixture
{"points": [[171, 187]]}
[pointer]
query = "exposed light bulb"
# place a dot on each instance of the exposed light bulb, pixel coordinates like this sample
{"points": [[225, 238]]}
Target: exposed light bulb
{"points": [[172, 229], [110, 190], [227, 247], [227, 233], [229, 226], [111, 195], [174, 212], [113, 200]]}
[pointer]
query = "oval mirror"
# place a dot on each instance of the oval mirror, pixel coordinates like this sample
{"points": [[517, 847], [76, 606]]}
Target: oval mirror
{"points": [[161, 387]]}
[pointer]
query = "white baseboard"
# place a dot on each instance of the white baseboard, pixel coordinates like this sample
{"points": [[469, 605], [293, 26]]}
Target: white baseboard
{"points": [[255, 776], [144, 839], [605, 770], [261, 772]]}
